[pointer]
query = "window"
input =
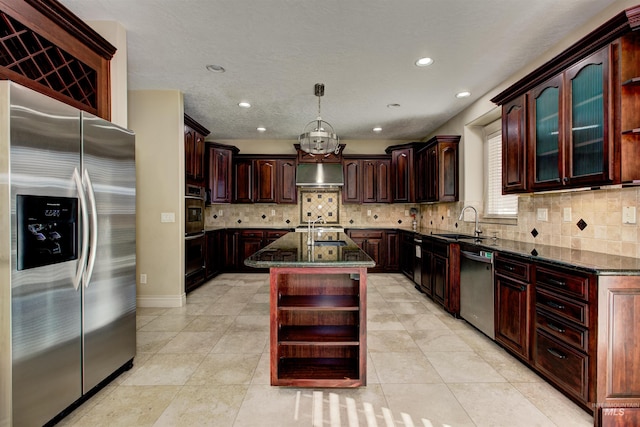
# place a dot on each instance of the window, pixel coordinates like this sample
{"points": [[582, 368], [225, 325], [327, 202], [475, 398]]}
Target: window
{"points": [[496, 205]]}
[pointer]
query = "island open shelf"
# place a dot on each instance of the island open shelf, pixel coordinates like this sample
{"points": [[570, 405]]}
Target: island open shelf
{"points": [[318, 312], [318, 326]]}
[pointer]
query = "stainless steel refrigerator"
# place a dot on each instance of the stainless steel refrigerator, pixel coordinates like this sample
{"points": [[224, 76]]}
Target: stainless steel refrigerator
{"points": [[67, 255]]}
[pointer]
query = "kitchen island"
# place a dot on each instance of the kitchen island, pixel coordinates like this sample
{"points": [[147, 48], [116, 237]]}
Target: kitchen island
{"points": [[317, 309]]}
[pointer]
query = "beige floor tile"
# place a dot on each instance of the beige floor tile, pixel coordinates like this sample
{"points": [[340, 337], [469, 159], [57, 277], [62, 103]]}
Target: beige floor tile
{"points": [[426, 404], [262, 374], [207, 405], [267, 406], [225, 368], [383, 322], [151, 342], [390, 341], [438, 340], [168, 323], [463, 367], [476, 339], [138, 406], [420, 322], [143, 320], [404, 368], [408, 307], [210, 323], [498, 404], [192, 342], [554, 405], [508, 366], [242, 342], [165, 369], [225, 308]]}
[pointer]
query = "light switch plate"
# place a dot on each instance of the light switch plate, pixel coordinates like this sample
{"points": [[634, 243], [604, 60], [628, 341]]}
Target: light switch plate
{"points": [[543, 214], [566, 214], [628, 214], [168, 217]]}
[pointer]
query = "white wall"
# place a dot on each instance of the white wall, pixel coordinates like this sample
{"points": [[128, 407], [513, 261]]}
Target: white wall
{"points": [[157, 118]]}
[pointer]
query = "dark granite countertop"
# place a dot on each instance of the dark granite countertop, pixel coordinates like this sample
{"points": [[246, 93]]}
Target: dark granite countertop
{"points": [[331, 249], [592, 262]]}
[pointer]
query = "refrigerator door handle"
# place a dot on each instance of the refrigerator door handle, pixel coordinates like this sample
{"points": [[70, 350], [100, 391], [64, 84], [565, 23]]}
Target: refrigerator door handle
{"points": [[93, 248], [84, 248]]}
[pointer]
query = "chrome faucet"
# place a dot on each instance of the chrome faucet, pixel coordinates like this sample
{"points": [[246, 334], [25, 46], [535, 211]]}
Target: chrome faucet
{"points": [[477, 231], [311, 228]]}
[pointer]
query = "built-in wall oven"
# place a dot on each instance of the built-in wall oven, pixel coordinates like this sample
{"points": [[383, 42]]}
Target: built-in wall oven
{"points": [[194, 237]]}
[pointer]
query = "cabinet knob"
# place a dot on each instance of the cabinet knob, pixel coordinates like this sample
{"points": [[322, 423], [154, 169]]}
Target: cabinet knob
{"points": [[566, 179]]}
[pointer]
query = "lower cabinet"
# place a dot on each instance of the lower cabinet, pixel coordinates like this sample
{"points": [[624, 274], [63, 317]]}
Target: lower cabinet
{"points": [[513, 304], [381, 245], [440, 278], [406, 250], [242, 243], [214, 253]]}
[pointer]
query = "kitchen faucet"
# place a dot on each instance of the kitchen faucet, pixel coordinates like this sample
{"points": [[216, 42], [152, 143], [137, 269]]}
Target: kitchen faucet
{"points": [[311, 228], [477, 231]]}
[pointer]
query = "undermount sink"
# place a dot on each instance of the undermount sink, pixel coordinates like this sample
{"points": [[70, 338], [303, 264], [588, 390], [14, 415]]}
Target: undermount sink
{"points": [[457, 236], [329, 243]]}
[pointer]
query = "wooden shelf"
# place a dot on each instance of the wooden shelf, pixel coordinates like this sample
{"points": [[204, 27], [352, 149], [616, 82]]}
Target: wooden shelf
{"points": [[326, 334], [318, 368], [328, 302], [632, 82]]}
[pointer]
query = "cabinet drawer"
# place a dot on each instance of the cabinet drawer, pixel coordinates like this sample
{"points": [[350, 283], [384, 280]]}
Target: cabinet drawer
{"points": [[566, 282], [251, 233], [563, 364], [572, 310], [366, 234], [573, 335], [512, 268], [275, 234]]}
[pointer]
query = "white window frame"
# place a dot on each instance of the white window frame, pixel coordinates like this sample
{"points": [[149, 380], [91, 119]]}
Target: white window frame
{"points": [[496, 205]]}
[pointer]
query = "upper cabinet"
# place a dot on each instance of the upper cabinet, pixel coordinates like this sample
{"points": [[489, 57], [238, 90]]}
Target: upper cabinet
{"points": [[258, 179], [367, 180], [402, 170], [575, 121], [438, 170], [570, 142], [219, 172], [194, 151]]}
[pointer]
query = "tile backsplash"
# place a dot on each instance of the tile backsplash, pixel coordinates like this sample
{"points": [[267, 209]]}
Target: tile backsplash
{"points": [[595, 218]]}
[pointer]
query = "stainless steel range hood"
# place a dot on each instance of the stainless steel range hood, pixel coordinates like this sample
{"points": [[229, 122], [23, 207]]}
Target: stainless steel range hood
{"points": [[320, 175]]}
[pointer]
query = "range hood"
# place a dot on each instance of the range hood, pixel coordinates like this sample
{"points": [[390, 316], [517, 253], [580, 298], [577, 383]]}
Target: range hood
{"points": [[320, 175]]}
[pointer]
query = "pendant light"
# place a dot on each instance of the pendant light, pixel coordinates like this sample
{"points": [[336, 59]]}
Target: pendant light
{"points": [[318, 136]]}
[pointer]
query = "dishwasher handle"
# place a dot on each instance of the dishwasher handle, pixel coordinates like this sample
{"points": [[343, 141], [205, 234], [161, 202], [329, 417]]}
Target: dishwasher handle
{"points": [[476, 257]]}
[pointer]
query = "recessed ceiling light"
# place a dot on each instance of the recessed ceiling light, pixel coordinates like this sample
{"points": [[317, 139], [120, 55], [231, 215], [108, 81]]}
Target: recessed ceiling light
{"points": [[464, 94], [393, 105], [424, 62], [215, 68], [244, 104], [261, 129], [377, 129]]}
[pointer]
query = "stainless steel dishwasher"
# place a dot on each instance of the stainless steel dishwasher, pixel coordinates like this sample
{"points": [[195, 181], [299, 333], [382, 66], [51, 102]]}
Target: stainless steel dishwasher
{"points": [[477, 289]]}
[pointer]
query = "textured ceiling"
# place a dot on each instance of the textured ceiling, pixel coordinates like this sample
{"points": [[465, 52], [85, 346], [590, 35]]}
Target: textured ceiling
{"points": [[274, 52]]}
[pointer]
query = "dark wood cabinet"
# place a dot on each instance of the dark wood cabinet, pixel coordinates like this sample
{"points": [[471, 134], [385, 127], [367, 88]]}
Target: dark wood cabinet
{"points": [[407, 251], [214, 253], [392, 251], [437, 170], [565, 328], [381, 245], [243, 180], [402, 173], [265, 180], [514, 146], [574, 122], [194, 151], [513, 304], [439, 278], [352, 189], [367, 180], [219, 173], [242, 243], [286, 191]]}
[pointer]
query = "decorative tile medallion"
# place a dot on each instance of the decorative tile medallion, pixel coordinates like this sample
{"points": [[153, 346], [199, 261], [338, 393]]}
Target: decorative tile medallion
{"points": [[317, 203]]}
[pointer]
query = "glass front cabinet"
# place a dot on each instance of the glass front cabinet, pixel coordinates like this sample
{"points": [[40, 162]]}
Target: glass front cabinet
{"points": [[569, 132]]}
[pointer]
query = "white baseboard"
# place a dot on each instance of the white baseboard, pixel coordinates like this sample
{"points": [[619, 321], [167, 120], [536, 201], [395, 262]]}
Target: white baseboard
{"points": [[162, 301]]}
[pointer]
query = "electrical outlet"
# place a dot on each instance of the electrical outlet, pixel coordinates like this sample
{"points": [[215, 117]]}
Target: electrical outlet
{"points": [[220, 212], [168, 217], [143, 278], [368, 212], [448, 213], [273, 212], [628, 214], [543, 214], [566, 214], [406, 212]]}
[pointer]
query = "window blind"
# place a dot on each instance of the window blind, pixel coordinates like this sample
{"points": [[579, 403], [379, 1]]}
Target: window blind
{"points": [[497, 204]]}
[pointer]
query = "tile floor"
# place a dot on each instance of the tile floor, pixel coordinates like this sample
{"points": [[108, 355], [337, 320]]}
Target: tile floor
{"points": [[207, 363]]}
